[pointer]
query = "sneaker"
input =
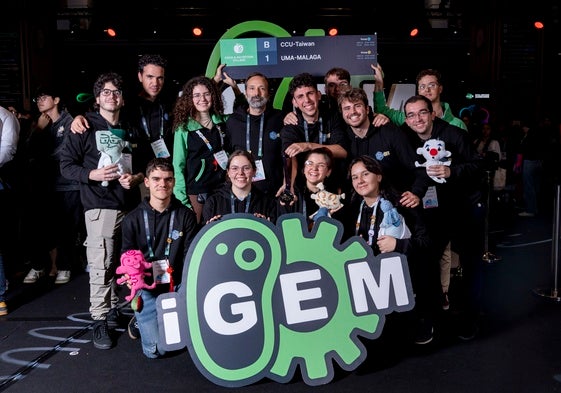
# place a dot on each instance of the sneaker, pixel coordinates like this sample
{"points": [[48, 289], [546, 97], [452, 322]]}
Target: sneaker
{"points": [[101, 337], [33, 276], [133, 330], [3, 308], [445, 301], [526, 214], [62, 277], [114, 318], [424, 332]]}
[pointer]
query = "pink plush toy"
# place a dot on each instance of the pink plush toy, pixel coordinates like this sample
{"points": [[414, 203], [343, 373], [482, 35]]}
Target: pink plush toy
{"points": [[134, 265]]}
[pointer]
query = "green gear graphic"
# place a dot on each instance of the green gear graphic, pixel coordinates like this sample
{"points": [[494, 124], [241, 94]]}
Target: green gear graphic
{"points": [[338, 339]]}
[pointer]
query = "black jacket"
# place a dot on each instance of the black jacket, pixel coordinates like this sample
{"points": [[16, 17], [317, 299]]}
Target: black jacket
{"points": [[220, 203], [183, 231]]}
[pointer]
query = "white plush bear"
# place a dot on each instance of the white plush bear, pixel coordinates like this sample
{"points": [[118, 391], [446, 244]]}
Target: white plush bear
{"points": [[435, 153]]}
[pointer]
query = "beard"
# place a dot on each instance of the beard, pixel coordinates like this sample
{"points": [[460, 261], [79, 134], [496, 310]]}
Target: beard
{"points": [[257, 102]]}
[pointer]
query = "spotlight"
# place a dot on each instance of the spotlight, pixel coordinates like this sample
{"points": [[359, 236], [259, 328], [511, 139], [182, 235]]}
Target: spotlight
{"points": [[333, 31], [110, 32], [197, 31], [414, 32], [538, 25]]}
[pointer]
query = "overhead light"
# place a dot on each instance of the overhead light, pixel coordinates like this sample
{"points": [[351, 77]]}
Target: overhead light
{"points": [[414, 32], [197, 31], [538, 25], [110, 32], [333, 31]]}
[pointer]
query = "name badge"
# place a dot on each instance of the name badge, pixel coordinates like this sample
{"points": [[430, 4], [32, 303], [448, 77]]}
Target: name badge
{"points": [[160, 271]]}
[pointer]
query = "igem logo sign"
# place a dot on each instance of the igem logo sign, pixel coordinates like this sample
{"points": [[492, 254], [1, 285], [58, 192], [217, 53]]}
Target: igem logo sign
{"points": [[259, 300]]}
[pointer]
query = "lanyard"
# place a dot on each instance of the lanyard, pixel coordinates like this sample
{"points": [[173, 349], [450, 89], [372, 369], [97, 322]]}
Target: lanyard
{"points": [[148, 237], [232, 205], [321, 136], [206, 141], [145, 123], [247, 144], [372, 220]]}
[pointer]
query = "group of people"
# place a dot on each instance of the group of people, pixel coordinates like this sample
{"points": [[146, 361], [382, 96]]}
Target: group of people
{"points": [[151, 174]]}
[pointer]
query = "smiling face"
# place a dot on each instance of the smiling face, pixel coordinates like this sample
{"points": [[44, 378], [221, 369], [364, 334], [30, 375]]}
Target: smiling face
{"points": [[160, 183], [355, 113], [316, 169], [365, 183], [241, 172], [306, 98], [202, 98]]}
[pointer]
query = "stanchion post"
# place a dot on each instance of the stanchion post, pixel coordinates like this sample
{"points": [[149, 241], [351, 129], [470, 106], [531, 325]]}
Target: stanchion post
{"points": [[488, 256], [553, 293]]}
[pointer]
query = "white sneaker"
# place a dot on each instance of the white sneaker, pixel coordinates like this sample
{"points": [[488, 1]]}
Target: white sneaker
{"points": [[62, 277], [33, 276]]}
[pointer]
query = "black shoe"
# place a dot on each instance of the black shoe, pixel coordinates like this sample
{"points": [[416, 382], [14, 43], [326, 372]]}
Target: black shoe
{"points": [[467, 327], [101, 337], [114, 318], [133, 330], [424, 332]]}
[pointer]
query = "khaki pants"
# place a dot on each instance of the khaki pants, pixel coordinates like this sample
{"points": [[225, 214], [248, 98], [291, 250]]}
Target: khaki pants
{"points": [[103, 246]]}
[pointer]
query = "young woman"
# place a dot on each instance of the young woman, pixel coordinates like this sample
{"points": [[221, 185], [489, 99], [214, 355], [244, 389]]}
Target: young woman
{"points": [[317, 168], [374, 216], [238, 195], [200, 146]]}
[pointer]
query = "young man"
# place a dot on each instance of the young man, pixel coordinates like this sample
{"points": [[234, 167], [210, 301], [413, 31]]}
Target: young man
{"points": [[316, 127], [101, 160], [162, 228], [457, 214], [60, 209]]}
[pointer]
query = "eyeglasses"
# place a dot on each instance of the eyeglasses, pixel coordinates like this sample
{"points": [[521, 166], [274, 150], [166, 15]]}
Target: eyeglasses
{"points": [[245, 168], [333, 85], [421, 113], [198, 96], [431, 86], [318, 165], [41, 98], [108, 92]]}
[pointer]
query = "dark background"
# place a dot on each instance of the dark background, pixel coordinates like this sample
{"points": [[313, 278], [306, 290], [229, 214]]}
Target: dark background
{"points": [[479, 46]]}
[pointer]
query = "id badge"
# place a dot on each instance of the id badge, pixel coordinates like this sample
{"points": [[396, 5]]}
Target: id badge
{"points": [[260, 173], [430, 199], [222, 159], [160, 149], [160, 271]]}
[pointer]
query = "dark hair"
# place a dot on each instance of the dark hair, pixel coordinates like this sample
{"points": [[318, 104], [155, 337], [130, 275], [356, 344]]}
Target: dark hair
{"points": [[254, 74], [304, 79], [416, 98], [244, 153], [431, 72], [107, 77], [354, 94], [373, 165], [163, 164], [157, 60], [184, 106], [325, 152], [341, 73]]}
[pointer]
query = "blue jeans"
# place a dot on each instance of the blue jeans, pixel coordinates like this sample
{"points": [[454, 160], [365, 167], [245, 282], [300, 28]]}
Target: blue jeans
{"points": [[147, 320]]}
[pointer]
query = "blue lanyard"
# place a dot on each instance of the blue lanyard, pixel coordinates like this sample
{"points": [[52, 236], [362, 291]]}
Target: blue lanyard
{"points": [[149, 238], [145, 123], [247, 144], [232, 205], [321, 136]]}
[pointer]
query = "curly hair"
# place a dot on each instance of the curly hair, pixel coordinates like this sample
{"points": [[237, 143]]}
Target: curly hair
{"points": [[185, 107], [157, 60]]}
